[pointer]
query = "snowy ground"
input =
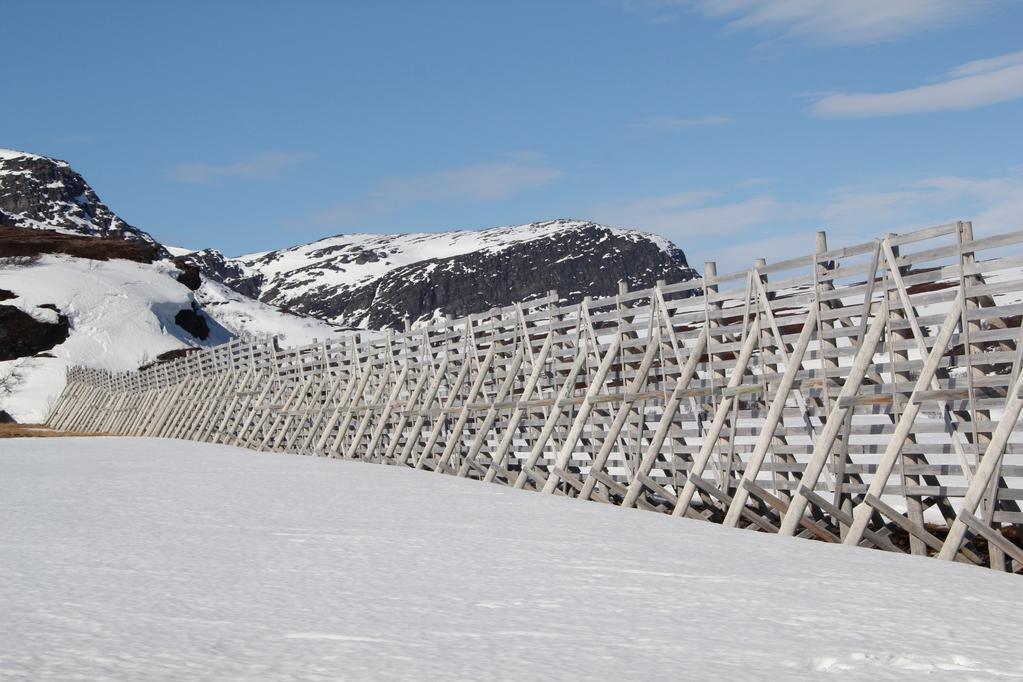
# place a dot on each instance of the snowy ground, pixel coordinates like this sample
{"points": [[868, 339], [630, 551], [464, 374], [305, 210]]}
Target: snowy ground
{"points": [[138, 559]]}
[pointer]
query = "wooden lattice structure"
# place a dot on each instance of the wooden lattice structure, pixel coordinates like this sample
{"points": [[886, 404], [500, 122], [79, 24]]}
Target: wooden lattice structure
{"points": [[866, 395]]}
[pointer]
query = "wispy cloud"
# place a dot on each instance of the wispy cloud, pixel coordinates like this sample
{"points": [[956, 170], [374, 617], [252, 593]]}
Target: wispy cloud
{"points": [[690, 214], [972, 85], [829, 22], [486, 182], [979, 66], [735, 229], [672, 124], [482, 182], [267, 165]]}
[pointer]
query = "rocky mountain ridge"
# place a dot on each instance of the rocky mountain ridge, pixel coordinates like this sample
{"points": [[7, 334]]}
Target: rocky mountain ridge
{"points": [[376, 281], [39, 192]]}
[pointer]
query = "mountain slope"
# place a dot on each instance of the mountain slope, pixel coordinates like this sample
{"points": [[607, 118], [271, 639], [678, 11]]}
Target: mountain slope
{"points": [[43, 193], [118, 315], [375, 281]]}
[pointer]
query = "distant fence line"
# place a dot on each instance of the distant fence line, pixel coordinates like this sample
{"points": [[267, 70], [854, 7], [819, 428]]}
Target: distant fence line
{"points": [[866, 395]]}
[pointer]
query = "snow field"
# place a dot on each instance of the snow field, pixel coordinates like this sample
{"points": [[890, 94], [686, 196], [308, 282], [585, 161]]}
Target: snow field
{"points": [[129, 559]]}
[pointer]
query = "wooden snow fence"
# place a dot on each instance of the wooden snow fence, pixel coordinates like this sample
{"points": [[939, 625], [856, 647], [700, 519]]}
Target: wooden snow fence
{"points": [[866, 395]]}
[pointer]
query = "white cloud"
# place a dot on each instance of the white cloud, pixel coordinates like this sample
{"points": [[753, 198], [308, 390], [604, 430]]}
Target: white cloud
{"points": [[828, 22], [483, 182], [487, 182], [260, 167], [708, 225], [997, 203], [987, 65], [671, 124], [849, 205], [689, 214], [972, 85]]}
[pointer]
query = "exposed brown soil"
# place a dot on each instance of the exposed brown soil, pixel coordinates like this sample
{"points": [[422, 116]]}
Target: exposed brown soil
{"points": [[170, 355], [38, 431], [16, 242]]}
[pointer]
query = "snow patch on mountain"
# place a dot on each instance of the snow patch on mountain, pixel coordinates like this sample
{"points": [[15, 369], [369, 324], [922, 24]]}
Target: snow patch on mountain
{"points": [[122, 315], [15, 154], [244, 316], [178, 250]]}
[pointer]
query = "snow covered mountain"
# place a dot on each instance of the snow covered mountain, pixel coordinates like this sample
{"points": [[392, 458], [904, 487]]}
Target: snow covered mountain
{"points": [[375, 281], [80, 286], [43, 193]]}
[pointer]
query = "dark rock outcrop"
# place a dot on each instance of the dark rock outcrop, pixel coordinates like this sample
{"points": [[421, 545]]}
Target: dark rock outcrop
{"points": [[189, 275], [193, 322], [23, 335], [214, 265]]}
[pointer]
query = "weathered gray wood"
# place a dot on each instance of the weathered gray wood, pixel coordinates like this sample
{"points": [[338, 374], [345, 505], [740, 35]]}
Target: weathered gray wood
{"points": [[992, 536], [552, 419], [985, 470], [714, 432], [595, 386], [774, 415], [826, 440], [861, 514], [667, 417]]}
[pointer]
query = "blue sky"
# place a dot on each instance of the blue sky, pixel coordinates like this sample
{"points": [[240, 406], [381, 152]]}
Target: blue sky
{"points": [[736, 127]]}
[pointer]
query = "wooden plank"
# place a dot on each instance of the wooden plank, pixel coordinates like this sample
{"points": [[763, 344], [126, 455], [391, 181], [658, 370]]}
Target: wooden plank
{"points": [[826, 440], [846, 519], [596, 383], [620, 418], [896, 443], [902, 522], [985, 470], [991, 535], [782, 507], [720, 417], [552, 418], [771, 420]]}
